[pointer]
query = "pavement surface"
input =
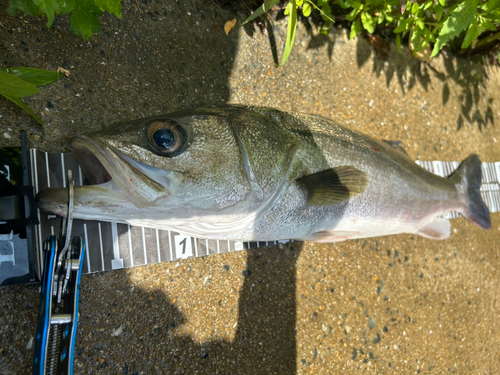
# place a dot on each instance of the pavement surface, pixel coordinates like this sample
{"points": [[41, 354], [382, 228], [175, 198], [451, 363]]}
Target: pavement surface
{"points": [[399, 304]]}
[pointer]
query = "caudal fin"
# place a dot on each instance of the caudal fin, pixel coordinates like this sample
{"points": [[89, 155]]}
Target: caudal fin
{"points": [[467, 179]]}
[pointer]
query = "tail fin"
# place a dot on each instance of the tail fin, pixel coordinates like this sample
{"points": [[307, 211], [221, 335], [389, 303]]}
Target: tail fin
{"points": [[467, 179]]}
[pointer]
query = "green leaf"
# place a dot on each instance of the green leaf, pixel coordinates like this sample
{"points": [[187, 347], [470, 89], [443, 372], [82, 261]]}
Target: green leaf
{"points": [[428, 4], [367, 21], [487, 25], [415, 40], [490, 5], [35, 77], [325, 29], [442, 2], [288, 9], [460, 18], [290, 33], [11, 85], [21, 104], [259, 12], [326, 12], [299, 3], [344, 4], [324, 2], [438, 9], [403, 25], [65, 6], [268, 5], [415, 8], [23, 6], [356, 8], [48, 7], [398, 43], [419, 23], [306, 9], [472, 34], [83, 21], [115, 6], [355, 28], [380, 17]]}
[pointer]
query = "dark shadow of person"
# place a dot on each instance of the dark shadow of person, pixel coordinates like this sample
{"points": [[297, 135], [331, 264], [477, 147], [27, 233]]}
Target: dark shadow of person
{"points": [[265, 340]]}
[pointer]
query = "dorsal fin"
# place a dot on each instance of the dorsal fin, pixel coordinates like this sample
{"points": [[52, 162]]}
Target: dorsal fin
{"points": [[333, 185], [396, 145]]}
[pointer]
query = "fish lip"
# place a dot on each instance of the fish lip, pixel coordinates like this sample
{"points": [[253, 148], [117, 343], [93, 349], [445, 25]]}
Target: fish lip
{"points": [[96, 159], [102, 163], [91, 162]]}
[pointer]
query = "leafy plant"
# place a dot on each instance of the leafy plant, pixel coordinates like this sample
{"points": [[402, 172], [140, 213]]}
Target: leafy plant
{"points": [[421, 22], [16, 83], [84, 13], [291, 11]]}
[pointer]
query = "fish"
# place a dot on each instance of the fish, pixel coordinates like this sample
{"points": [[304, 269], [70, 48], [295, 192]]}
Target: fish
{"points": [[251, 173]]}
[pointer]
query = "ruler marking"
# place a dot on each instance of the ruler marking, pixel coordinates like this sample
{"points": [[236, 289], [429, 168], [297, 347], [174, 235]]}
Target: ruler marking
{"points": [[100, 243], [47, 168], [116, 262], [170, 246], [158, 245], [80, 175], [63, 171], [87, 247], [130, 246], [144, 246]]}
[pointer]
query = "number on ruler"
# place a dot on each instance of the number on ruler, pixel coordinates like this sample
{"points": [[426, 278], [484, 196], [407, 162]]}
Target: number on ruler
{"points": [[183, 243], [183, 247]]}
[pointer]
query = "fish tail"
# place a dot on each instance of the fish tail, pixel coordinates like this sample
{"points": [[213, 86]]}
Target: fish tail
{"points": [[467, 179]]}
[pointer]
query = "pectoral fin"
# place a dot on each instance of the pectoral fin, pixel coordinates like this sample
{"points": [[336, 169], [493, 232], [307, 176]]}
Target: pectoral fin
{"points": [[436, 229], [333, 185]]}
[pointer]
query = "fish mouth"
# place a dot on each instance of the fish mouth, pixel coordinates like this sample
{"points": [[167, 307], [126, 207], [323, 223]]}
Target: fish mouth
{"points": [[117, 182]]}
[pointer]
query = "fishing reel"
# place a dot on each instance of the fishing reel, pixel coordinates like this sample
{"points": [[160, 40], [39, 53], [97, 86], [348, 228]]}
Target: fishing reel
{"points": [[58, 312]]}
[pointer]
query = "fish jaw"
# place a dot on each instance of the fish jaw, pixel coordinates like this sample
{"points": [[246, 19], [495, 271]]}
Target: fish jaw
{"points": [[128, 177], [101, 202], [118, 185]]}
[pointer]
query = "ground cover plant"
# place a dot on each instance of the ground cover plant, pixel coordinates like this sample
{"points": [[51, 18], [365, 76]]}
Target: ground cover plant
{"points": [[17, 83], [467, 25]]}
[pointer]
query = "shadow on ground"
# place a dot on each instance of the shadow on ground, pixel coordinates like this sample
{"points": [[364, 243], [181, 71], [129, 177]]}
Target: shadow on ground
{"points": [[265, 340], [469, 74]]}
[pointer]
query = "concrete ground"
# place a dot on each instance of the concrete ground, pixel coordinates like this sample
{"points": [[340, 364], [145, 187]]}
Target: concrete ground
{"points": [[399, 304]]}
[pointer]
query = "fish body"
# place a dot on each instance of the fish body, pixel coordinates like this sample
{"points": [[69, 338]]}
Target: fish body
{"points": [[260, 174]]}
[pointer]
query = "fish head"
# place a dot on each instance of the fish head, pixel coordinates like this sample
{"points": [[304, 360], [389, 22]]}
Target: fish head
{"points": [[187, 163]]}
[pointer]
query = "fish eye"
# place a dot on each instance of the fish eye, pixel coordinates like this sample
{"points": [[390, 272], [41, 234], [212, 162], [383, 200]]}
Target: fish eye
{"points": [[166, 137]]}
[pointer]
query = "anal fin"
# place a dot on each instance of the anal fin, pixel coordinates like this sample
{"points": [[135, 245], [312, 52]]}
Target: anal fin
{"points": [[436, 229]]}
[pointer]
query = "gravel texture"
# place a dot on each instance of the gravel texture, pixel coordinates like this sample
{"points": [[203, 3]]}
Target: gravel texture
{"points": [[399, 304]]}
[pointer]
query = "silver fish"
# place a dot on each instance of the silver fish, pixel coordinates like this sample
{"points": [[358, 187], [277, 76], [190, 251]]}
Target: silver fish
{"points": [[260, 174]]}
